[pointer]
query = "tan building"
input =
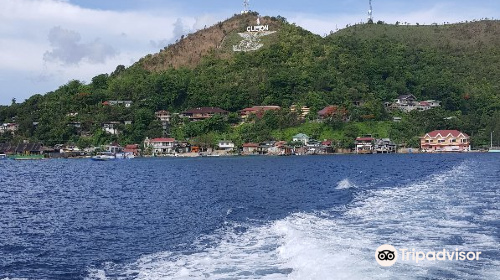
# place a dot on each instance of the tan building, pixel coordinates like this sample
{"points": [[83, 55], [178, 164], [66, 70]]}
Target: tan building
{"points": [[445, 141]]}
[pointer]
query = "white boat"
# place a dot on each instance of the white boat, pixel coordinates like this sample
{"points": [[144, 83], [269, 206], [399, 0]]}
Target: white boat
{"points": [[3, 157], [103, 157]]}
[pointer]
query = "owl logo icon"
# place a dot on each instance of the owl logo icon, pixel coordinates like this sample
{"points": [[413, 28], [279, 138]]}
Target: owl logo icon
{"points": [[386, 255]]}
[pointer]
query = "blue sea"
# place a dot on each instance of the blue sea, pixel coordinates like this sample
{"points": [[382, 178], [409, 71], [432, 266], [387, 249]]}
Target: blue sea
{"points": [[312, 217]]}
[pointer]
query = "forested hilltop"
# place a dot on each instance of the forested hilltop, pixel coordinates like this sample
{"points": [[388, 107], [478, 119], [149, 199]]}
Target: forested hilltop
{"points": [[359, 68]]}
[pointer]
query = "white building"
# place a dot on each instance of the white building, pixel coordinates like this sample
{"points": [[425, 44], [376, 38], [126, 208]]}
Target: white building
{"points": [[301, 137], [160, 146], [226, 145]]}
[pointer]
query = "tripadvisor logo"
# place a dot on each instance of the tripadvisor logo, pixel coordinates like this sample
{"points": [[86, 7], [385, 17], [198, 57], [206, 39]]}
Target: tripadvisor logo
{"points": [[387, 255]]}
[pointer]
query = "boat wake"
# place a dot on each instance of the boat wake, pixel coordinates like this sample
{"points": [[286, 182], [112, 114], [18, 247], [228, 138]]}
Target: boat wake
{"points": [[446, 210]]}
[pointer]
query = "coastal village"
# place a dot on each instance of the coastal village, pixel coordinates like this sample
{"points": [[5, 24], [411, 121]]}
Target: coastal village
{"points": [[300, 144]]}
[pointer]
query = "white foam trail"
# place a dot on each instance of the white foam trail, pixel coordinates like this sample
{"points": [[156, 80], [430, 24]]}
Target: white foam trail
{"points": [[423, 215], [345, 184]]}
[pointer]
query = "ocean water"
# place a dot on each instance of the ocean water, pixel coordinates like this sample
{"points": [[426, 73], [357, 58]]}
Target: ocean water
{"points": [[318, 217]]}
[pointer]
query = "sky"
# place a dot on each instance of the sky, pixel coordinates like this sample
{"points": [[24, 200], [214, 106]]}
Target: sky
{"points": [[46, 43]]}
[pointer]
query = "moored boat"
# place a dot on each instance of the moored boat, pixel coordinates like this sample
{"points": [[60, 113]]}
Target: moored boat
{"points": [[104, 157], [3, 157], [27, 157]]}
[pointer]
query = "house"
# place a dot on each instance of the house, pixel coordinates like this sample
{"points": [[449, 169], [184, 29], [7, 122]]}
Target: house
{"points": [[445, 141], [133, 149], [364, 145], [384, 146], [333, 111], [203, 113], [111, 127], [259, 111], [9, 127], [160, 146], [301, 137], [75, 124], [303, 111], [127, 104], [266, 147], [250, 148], [226, 145], [408, 103], [163, 116], [21, 149], [184, 148], [434, 103], [406, 99], [327, 147]]}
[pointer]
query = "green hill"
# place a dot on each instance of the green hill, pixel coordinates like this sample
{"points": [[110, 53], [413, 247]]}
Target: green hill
{"points": [[456, 63]]}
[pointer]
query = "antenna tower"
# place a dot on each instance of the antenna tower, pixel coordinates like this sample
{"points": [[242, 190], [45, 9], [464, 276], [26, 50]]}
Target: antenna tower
{"points": [[370, 13], [246, 6]]}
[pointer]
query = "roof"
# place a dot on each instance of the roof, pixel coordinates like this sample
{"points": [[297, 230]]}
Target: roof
{"points": [[365, 139], [205, 110], [250, 145], [300, 135], [406, 96], [161, 140], [133, 146], [162, 112], [445, 133]]}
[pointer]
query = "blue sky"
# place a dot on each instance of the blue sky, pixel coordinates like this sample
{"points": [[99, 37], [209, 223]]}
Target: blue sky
{"points": [[46, 43]]}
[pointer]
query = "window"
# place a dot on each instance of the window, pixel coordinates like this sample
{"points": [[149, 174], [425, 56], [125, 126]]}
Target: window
{"points": [[464, 141], [453, 140], [441, 140]]}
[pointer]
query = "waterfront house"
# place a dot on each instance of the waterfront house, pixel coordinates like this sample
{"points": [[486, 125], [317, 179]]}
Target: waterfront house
{"points": [[258, 111], [132, 149], [301, 137], [183, 147], [445, 141], [250, 148], [364, 145], [226, 145], [203, 113], [160, 146], [21, 149], [384, 146], [327, 147]]}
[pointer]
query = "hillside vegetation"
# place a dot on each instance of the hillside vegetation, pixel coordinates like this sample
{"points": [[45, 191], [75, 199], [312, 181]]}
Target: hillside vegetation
{"points": [[456, 63]]}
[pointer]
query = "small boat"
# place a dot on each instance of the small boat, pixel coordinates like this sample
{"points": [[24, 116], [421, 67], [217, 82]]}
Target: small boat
{"points": [[27, 157], [3, 157], [103, 157]]}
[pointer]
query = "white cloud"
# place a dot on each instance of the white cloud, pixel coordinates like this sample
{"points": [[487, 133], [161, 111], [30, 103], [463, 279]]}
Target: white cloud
{"points": [[49, 42], [67, 49]]}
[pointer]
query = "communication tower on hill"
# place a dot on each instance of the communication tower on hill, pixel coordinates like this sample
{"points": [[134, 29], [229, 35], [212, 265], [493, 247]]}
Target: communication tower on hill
{"points": [[246, 6], [370, 13]]}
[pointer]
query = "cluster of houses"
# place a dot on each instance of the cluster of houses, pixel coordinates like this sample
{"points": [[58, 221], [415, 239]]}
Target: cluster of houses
{"points": [[408, 103], [8, 127], [300, 144]]}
